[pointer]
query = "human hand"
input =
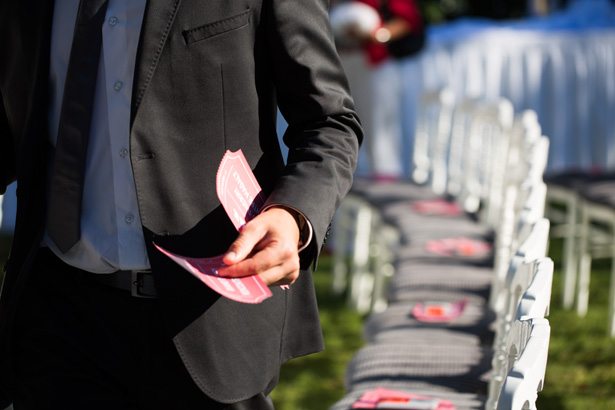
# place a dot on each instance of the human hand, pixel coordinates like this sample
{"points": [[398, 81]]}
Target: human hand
{"points": [[355, 32], [267, 246]]}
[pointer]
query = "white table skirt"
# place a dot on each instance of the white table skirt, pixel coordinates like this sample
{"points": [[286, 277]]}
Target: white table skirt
{"points": [[568, 78]]}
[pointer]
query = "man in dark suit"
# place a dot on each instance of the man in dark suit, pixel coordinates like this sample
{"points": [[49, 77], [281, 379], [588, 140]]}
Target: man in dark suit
{"points": [[102, 320]]}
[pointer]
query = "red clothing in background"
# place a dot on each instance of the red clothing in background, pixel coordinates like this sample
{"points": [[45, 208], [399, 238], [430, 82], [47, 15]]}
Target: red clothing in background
{"points": [[406, 9]]}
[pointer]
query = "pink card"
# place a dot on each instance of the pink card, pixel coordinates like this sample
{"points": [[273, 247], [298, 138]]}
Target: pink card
{"points": [[381, 398], [250, 289], [440, 207], [242, 199], [435, 312], [458, 247], [238, 190]]}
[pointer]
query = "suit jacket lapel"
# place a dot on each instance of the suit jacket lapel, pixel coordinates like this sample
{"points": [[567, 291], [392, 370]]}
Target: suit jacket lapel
{"points": [[157, 22]]}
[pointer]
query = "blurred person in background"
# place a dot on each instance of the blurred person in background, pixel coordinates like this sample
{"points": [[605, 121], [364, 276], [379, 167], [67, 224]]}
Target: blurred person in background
{"points": [[399, 37]]}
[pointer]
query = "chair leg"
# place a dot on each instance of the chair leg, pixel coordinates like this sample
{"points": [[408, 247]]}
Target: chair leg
{"points": [[569, 258], [612, 293], [341, 238], [359, 272], [585, 261]]}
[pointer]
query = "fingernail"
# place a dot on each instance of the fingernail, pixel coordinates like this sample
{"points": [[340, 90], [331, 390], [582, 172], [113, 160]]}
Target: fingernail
{"points": [[231, 256]]}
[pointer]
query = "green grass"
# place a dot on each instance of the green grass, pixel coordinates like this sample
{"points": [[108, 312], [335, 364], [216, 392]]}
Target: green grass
{"points": [[581, 366], [580, 372]]}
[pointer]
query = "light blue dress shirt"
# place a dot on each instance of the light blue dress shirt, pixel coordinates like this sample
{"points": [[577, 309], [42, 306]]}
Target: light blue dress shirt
{"points": [[111, 233]]}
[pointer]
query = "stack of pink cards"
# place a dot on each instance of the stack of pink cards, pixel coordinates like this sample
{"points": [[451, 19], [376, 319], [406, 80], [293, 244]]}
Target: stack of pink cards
{"points": [[438, 311], [458, 247], [381, 398], [440, 207], [242, 199]]}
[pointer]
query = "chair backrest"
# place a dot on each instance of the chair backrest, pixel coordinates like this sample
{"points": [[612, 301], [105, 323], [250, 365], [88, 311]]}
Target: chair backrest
{"points": [[523, 142], [460, 129], [432, 137], [441, 142], [532, 247], [531, 208], [485, 153], [497, 164], [535, 301], [523, 198], [529, 298], [524, 134], [522, 207], [527, 347], [537, 158]]}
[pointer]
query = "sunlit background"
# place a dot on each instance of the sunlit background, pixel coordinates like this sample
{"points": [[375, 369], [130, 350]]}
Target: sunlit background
{"points": [[555, 58]]}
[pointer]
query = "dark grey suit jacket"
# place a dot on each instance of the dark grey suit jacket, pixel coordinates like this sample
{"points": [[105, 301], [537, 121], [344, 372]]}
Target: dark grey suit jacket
{"points": [[209, 77]]}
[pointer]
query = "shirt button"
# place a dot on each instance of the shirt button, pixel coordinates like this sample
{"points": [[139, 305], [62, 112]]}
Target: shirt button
{"points": [[123, 152], [118, 86], [113, 21], [129, 219]]}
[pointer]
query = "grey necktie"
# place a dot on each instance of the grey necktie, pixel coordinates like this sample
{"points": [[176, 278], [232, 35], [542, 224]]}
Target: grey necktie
{"points": [[65, 193]]}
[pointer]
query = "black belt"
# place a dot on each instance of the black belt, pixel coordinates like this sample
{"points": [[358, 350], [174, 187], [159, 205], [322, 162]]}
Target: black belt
{"points": [[140, 284]]}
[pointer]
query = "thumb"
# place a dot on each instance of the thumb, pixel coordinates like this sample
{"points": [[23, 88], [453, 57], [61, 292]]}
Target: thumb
{"points": [[242, 247]]}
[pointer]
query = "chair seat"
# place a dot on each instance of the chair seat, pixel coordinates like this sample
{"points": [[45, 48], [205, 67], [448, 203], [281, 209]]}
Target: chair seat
{"points": [[384, 193], [461, 368], [448, 250], [475, 320], [443, 276], [426, 335], [601, 192]]}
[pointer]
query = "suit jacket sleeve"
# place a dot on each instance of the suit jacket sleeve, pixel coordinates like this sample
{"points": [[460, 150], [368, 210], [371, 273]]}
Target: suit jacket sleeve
{"points": [[324, 133], [7, 160]]}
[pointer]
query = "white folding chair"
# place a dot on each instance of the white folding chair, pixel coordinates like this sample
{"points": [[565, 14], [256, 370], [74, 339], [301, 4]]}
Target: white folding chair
{"points": [[533, 303], [526, 130], [506, 293], [516, 220], [597, 240], [351, 237], [363, 254], [460, 129], [432, 137], [387, 240], [563, 208], [496, 166], [523, 190], [529, 225], [528, 348], [584, 207], [485, 157]]}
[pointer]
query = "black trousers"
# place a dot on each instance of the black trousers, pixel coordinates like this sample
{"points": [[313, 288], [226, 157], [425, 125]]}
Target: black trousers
{"points": [[82, 345]]}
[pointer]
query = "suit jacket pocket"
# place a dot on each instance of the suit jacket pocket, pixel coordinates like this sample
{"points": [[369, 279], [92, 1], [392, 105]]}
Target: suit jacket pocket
{"points": [[219, 27]]}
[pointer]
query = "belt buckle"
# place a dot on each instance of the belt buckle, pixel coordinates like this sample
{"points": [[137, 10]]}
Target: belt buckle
{"points": [[136, 285]]}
